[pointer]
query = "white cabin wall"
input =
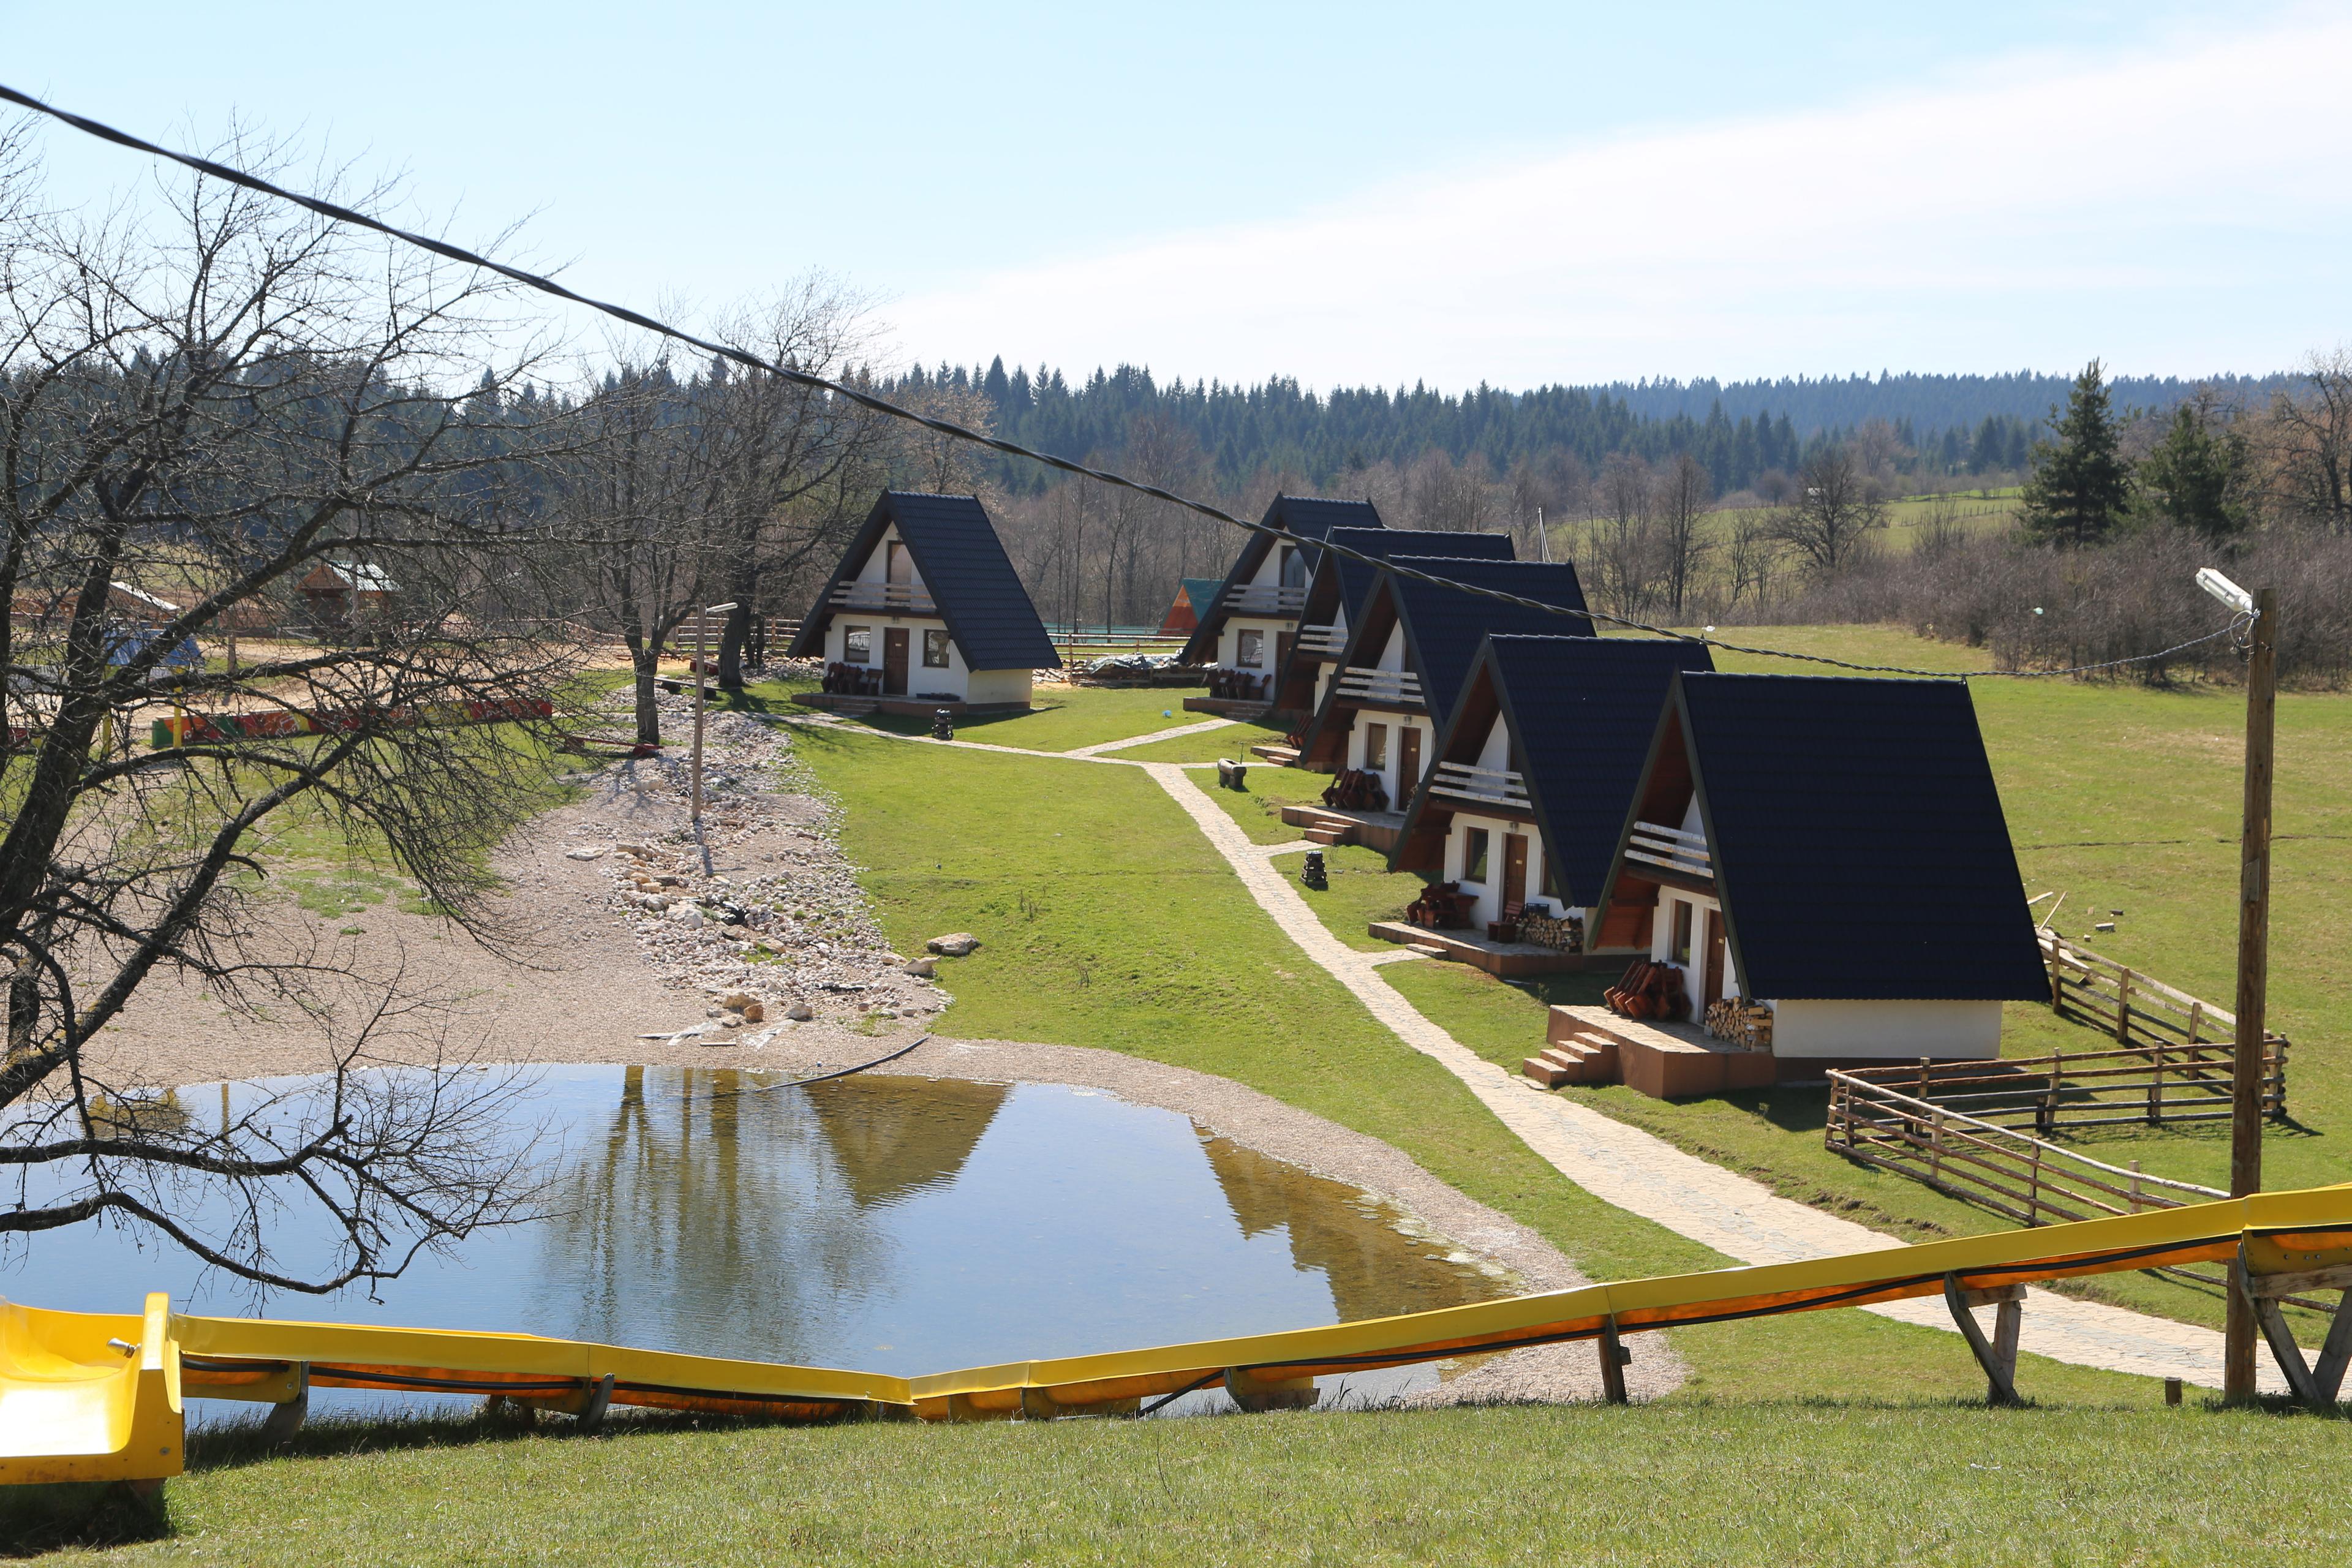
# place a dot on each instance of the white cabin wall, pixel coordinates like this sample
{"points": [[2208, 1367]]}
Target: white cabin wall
{"points": [[988, 687], [1895, 1031]]}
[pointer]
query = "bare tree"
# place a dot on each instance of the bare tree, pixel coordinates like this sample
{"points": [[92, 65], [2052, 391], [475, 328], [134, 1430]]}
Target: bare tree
{"points": [[207, 410], [1832, 512], [1624, 552], [2309, 443], [1751, 556], [1683, 492]]}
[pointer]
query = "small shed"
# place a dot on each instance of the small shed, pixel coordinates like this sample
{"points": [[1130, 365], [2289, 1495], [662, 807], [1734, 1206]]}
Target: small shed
{"points": [[1825, 863], [1192, 595], [341, 592], [925, 611]]}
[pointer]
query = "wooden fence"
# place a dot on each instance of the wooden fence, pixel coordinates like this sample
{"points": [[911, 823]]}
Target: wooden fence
{"points": [[1981, 1162], [2146, 1084], [781, 631], [2135, 1008]]}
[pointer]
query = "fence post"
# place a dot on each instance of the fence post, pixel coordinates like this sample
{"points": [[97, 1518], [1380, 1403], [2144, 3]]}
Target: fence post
{"points": [[2155, 1088], [2135, 1187], [2196, 1023], [2034, 1189], [1936, 1146], [2046, 1118], [2123, 1005]]}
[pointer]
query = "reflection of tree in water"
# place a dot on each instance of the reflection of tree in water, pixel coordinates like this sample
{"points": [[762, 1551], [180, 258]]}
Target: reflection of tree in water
{"points": [[726, 1216], [1373, 1271]]}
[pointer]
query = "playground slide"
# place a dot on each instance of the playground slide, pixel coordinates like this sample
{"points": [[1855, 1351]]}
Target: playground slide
{"points": [[91, 1396]]}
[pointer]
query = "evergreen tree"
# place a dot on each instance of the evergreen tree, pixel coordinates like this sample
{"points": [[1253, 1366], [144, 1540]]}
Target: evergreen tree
{"points": [[2195, 476], [2081, 484]]}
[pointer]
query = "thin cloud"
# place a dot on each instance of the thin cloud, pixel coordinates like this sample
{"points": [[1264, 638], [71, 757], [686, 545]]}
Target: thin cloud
{"points": [[2179, 210]]}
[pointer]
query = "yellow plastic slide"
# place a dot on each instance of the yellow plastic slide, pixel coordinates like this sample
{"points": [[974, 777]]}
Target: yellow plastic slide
{"points": [[91, 1396]]}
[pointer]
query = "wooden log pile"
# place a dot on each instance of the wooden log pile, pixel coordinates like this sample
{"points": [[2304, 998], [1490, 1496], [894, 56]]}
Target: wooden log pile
{"points": [[1546, 929], [1740, 1023]]}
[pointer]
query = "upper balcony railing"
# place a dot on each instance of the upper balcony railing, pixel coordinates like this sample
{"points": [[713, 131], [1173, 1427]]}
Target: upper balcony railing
{"points": [[1265, 599], [1494, 787], [1672, 848], [1323, 642], [1399, 687], [890, 599]]}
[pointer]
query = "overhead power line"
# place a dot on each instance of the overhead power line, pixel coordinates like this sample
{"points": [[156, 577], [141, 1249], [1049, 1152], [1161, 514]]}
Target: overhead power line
{"points": [[336, 212]]}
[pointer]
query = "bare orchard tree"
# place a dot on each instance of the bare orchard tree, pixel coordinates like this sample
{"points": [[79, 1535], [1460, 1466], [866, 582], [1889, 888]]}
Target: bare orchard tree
{"points": [[1684, 491], [1831, 513], [1624, 550], [213, 409]]}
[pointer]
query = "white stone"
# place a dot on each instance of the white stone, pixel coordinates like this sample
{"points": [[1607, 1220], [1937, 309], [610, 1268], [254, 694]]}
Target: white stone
{"points": [[583, 854], [685, 914], [955, 945]]}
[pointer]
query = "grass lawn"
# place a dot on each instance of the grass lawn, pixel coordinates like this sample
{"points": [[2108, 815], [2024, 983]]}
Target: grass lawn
{"points": [[1258, 808], [1363, 889], [1672, 1483]]}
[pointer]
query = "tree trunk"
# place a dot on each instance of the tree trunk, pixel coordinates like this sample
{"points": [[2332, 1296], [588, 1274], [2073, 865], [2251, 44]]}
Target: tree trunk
{"points": [[644, 659], [743, 587]]}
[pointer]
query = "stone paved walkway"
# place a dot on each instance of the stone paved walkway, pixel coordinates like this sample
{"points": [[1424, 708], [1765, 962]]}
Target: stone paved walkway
{"points": [[1644, 1174], [1202, 728]]}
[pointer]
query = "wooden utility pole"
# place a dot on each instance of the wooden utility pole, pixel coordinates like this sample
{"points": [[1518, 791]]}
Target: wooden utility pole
{"points": [[2253, 972]]}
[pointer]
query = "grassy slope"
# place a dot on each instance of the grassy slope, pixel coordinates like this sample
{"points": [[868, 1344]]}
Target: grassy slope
{"points": [[1770, 1485]]}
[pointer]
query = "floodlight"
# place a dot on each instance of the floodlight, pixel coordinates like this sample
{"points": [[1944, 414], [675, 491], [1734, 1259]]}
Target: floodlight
{"points": [[2229, 592]]}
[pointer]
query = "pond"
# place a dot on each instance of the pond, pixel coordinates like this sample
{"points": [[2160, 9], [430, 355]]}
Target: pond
{"points": [[893, 1224]]}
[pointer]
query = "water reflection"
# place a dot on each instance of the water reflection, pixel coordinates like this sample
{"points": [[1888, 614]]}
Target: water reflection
{"points": [[900, 1224]]}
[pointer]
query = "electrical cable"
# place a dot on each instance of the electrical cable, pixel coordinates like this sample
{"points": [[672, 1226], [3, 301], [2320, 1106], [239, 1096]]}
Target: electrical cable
{"points": [[337, 213]]}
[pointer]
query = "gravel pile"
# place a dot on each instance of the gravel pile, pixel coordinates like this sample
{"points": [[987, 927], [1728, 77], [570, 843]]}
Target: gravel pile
{"points": [[770, 925]]}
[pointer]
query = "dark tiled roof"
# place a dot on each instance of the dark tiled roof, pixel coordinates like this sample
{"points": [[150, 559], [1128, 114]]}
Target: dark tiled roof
{"points": [[1584, 712], [964, 565], [1356, 576], [1446, 626], [1858, 839], [1312, 517], [1306, 517]]}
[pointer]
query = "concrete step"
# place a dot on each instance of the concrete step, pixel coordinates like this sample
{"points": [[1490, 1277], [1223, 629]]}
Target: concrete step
{"points": [[1277, 753], [1549, 1073], [854, 710], [1323, 832]]}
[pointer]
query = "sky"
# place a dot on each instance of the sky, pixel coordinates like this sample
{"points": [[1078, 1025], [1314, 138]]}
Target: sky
{"points": [[1506, 193]]}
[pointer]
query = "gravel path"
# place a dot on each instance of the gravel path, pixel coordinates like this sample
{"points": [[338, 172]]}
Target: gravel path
{"points": [[1648, 1176]]}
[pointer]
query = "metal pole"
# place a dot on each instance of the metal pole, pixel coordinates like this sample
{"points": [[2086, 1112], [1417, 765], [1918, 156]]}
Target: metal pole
{"points": [[2253, 972]]}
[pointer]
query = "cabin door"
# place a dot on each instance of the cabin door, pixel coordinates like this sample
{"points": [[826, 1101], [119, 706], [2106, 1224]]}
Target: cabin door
{"points": [[1409, 766], [1515, 869], [1711, 978], [893, 662], [1281, 654]]}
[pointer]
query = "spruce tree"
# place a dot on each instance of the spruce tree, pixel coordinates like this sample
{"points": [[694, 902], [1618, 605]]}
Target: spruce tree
{"points": [[2195, 475], [2081, 485]]}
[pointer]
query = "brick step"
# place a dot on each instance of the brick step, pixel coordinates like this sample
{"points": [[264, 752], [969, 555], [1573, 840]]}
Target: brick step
{"points": [[1277, 753], [1325, 833], [1573, 1061], [854, 710]]}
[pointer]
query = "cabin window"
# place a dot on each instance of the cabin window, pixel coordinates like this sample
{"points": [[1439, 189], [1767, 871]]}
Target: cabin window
{"points": [[1249, 649], [1679, 950], [1474, 854], [857, 645], [1376, 747], [935, 650]]}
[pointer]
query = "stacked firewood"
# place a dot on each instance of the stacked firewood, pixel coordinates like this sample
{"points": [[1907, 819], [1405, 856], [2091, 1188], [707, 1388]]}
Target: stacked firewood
{"points": [[1732, 1019], [1565, 932], [1649, 990], [1356, 790]]}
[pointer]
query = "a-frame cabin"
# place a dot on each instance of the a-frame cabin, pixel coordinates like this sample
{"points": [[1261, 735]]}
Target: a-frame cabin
{"points": [[1335, 592], [1826, 858], [1532, 775], [1408, 654], [925, 611], [1245, 631]]}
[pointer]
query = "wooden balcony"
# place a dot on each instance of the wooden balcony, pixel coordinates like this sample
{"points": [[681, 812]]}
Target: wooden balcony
{"points": [[1323, 642], [1390, 687], [1489, 786], [1671, 849], [1265, 599], [885, 598]]}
